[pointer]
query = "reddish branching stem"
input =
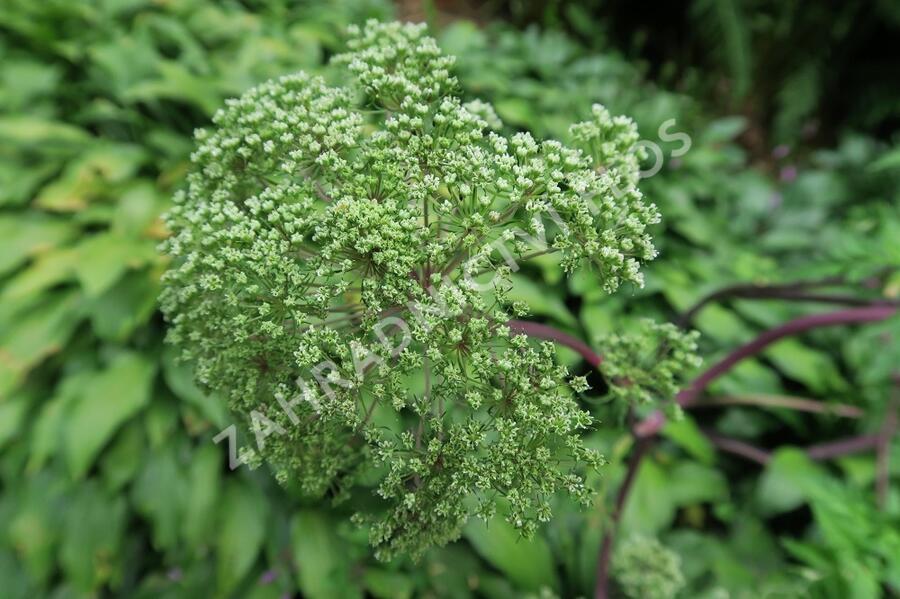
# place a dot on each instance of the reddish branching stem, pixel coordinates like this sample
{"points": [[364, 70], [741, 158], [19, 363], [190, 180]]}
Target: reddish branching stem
{"points": [[842, 447], [798, 291], [604, 558], [738, 447], [653, 423], [753, 291], [799, 404], [542, 331], [883, 449], [820, 453]]}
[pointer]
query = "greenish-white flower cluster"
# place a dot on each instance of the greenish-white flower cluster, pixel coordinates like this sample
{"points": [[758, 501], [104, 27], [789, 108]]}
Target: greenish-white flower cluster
{"points": [[340, 269], [644, 568], [650, 364]]}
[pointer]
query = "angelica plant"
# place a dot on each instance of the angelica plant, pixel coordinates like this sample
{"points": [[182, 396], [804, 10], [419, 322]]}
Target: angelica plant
{"points": [[340, 273]]}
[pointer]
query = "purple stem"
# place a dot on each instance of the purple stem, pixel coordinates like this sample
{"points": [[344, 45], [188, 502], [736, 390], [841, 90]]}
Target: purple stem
{"points": [[842, 447], [655, 421], [821, 452], [738, 447], [801, 404], [601, 587], [883, 450], [751, 291]]}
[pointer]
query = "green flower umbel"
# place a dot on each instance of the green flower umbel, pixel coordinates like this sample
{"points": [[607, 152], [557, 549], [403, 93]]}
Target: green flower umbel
{"points": [[341, 260]]}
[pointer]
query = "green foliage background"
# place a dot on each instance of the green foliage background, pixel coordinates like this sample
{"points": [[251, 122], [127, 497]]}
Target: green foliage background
{"points": [[109, 481]]}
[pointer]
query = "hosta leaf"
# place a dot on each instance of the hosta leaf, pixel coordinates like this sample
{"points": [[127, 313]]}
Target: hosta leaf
{"points": [[23, 236], [203, 494], [35, 334], [109, 399], [321, 557], [12, 413], [89, 176], [120, 463], [34, 530], [48, 270], [125, 306], [35, 131], [240, 534], [92, 535], [159, 493], [385, 584], [104, 258]]}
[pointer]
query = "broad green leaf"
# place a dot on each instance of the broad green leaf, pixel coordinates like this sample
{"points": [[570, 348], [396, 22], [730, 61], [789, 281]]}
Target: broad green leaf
{"points": [[108, 400], [88, 177], [93, 530], [34, 530], [453, 570], [34, 335], [691, 483], [242, 527], [515, 111], [598, 321], [179, 378], [120, 463], [203, 492], [888, 161], [126, 305], [46, 435], [19, 180], [48, 270], [813, 368], [650, 506], [12, 413], [17, 585], [385, 584], [26, 81], [124, 60], [527, 563], [685, 433], [159, 494], [495, 587], [35, 131], [23, 236], [722, 325], [160, 421], [724, 129], [175, 82], [137, 208], [321, 557], [104, 258]]}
